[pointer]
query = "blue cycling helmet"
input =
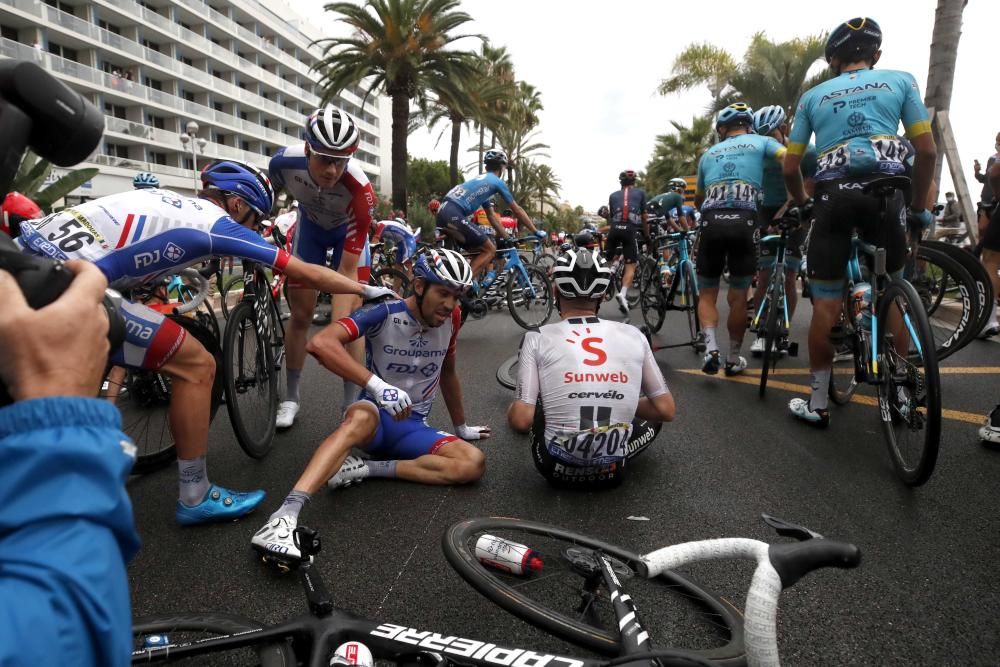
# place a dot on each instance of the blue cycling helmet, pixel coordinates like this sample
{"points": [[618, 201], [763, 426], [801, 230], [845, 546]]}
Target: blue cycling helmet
{"points": [[145, 180], [739, 112], [444, 267], [242, 180], [768, 119]]}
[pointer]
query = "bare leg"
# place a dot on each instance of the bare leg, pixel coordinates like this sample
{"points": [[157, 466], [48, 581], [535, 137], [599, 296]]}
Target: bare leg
{"points": [[457, 462], [356, 430]]}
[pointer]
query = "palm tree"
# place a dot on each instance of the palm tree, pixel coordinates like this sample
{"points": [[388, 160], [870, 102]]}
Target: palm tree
{"points": [[396, 46], [495, 66], [677, 154], [700, 64], [941, 70], [520, 145], [546, 186]]}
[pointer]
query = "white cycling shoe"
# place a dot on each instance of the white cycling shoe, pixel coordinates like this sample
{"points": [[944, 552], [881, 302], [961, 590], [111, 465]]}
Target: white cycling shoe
{"points": [[353, 470], [736, 367], [990, 431], [757, 347], [275, 542], [286, 414]]}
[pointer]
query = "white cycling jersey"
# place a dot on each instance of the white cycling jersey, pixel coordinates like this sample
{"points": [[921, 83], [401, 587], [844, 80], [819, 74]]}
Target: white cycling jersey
{"points": [[590, 374]]}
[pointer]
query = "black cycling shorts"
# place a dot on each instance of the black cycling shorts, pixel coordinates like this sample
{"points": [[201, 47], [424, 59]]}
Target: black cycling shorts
{"points": [[451, 217], [796, 237], [728, 236], [841, 208], [622, 234], [991, 237]]}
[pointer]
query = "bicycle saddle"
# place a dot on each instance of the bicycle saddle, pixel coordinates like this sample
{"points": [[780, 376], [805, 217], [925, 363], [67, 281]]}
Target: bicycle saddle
{"points": [[885, 186]]}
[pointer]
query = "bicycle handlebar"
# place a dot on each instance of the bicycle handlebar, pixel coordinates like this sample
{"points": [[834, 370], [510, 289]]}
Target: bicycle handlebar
{"points": [[199, 298]]}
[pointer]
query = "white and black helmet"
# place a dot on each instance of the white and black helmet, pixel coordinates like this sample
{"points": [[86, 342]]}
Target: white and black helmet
{"points": [[444, 267], [581, 274], [494, 156], [332, 131], [677, 184], [768, 119]]}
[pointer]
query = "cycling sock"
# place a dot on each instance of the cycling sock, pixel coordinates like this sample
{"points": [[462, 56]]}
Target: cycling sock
{"points": [[734, 350], [820, 388], [292, 376], [294, 502], [710, 343], [193, 480], [351, 393], [381, 468]]}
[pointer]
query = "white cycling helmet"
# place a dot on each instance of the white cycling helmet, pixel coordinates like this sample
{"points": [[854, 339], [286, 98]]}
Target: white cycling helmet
{"points": [[768, 119], [677, 183], [581, 274], [333, 132], [444, 267]]}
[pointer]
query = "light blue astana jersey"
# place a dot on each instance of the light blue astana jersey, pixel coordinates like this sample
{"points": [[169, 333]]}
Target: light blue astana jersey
{"points": [[731, 173]]}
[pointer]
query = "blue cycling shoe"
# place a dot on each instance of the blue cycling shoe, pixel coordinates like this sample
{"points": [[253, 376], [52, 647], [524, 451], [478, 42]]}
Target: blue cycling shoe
{"points": [[219, 504]]}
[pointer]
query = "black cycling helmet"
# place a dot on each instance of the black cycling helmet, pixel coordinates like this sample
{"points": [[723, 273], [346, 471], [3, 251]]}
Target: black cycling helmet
{"points": [[581, 274], [854, 40], [604, 212], [585, 240], [627, 177]]}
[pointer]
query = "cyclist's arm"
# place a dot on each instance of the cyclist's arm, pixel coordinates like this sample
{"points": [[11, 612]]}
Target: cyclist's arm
{"points": [[923, 168], [699, 189], [491, 215], [521, 413], [321, 278], [328, 346], [522, 217], [657, 403], [793, 177]]}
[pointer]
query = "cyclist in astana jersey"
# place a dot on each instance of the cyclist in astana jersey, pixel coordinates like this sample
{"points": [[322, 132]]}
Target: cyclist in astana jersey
{"points": [[730, 177], [138, 236], [336, 202], [855, 117], [463, 200], [411, 351], [626, 217], [591, 376], [770, 122]]}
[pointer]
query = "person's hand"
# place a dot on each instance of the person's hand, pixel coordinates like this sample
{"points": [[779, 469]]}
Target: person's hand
{"points": [[470, 433], [370, 292], [976, 166], [922, 216], [392, 399], [58, 350]]}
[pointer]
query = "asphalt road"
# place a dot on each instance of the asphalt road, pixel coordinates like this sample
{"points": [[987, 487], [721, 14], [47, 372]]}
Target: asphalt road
{"points": [[926, 593]]}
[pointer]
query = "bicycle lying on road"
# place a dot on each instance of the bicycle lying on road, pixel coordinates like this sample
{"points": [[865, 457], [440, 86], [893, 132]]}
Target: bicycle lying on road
{"points": [[587, 591]]}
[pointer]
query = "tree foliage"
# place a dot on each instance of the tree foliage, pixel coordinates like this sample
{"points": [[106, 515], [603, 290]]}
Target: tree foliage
{"points": [[676, 154], [32, 174]]}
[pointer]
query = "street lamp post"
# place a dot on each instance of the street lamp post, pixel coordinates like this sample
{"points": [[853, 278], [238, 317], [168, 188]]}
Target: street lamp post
{"points": [[191, 139]]}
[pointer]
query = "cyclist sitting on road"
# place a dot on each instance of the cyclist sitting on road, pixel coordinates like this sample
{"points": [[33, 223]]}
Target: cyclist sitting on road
{"points": [[411, 344], [589, 374], [730, 175], [145, 181], [770, 122], [138, 236], [626, 215], [463, 200], [855, 117], [335, 213]]}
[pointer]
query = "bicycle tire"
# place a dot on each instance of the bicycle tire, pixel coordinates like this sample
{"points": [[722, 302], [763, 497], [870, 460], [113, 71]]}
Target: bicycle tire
{"points": [[384, 277], [541, 305], [843, 386], [691, 297], [652, 304], [143, 398], [253, 424], [545, 261], [507, 372], [770, 354], [458, 543], [235, 286], [208, 623], [944, 277], [986, 298], [918, 470], [644, 270]]}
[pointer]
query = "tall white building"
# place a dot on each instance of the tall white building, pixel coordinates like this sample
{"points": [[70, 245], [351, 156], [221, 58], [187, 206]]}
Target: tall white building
{"points": [[239, 70]]}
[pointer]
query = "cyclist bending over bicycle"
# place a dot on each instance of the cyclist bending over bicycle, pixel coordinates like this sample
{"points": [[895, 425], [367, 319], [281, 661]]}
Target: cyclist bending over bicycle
{"points": [[589, 374], [404, 238], [412, 344], [850, 155], [142, 235]]}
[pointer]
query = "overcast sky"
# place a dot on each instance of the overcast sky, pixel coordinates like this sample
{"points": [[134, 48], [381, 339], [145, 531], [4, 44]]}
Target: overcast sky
{"points": [[597, 66]]}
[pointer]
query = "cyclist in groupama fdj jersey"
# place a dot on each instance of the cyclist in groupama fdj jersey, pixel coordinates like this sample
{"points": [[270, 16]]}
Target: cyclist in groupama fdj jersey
{"points": [[138, 236], [463, 200], [730, 177], [855, 117], [336, 202], [590, 375]]}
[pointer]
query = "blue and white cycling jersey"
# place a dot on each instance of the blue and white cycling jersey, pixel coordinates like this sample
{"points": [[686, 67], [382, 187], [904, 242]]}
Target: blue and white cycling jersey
{"points": [[856, 117], [478, 192], [401, 234], [402, 351], [731, 173], [136, 236]]}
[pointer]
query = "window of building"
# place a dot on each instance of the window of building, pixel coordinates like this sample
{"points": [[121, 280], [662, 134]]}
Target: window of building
{"points": [[150, 45], [116, 150], [245, 145], [220, 138], [188, 95], [157, 157], [8, 32], [217, 106], [159, 122], [110, 27], [242, 85], [185, 26], [188, 163], [61, 6], [63, 52], [218, 75], [184, 59], [266, 123], [153, 83], [116, 110], [243, 115], [267, 150]]}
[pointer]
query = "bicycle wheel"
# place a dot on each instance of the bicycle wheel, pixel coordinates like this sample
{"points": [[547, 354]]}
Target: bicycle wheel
{"points": [[985, 298], [185, 627], [507, 372], [772, 328], [843, 385], [251, 383], [690, 297], [231, 295], [394, 279], [645, 268], [143, 398], [909, 389], [948, 294], [653, 304], [546, 261], [530, 310], [567, 600]]}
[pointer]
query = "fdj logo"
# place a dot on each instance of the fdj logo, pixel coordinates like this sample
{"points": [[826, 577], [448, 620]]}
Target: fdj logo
{"points": [[173, 252], [390, 394], [397, 367], [429, 370]]}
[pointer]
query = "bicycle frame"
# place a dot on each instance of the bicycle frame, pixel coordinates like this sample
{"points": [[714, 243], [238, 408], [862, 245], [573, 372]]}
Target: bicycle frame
{"points": [[776, 284]]}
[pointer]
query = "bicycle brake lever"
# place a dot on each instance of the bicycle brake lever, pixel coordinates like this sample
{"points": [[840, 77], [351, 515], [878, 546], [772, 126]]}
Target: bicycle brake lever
{"points": [[789, 529]]}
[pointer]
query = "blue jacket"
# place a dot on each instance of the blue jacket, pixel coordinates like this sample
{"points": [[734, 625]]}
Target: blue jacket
{"points": [[66, 531]]}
